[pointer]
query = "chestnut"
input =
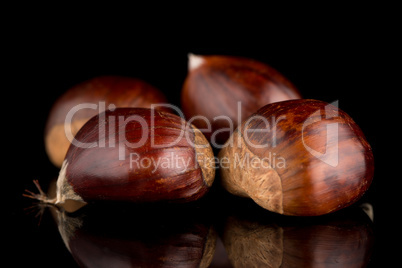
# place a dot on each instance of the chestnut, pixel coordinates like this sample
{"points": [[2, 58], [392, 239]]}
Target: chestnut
{"points": [[225, 90], [86, 100], [136, 155], [298, 157]]}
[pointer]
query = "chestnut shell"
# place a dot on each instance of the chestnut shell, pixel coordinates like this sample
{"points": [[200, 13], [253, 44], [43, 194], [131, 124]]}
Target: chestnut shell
{"points": [[316, 160], [119, 91], [173, 163], [216, 84]]}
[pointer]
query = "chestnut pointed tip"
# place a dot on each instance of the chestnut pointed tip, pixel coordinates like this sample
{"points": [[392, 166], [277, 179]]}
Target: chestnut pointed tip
{"points": [[41, 196], [65, 190], [195, 61]]}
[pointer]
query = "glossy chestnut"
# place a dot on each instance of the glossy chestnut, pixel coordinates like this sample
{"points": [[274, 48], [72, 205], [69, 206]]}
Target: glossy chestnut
{"points": [[299, 157], [216, 85], [136, 155], [86, 100]]}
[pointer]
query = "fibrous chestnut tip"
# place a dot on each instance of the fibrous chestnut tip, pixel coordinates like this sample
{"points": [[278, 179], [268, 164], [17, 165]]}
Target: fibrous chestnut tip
{"points": [[41, 196], [64, 191], [195, 61]]}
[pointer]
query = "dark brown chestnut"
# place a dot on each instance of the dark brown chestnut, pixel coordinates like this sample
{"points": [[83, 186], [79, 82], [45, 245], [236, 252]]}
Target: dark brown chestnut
{"points": [[298, 157], [86, 100], [136, 155], [225, 90]]}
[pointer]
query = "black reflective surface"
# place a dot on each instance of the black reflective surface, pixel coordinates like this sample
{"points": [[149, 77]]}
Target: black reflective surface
{"points": [[218, 231], [336, 68]]}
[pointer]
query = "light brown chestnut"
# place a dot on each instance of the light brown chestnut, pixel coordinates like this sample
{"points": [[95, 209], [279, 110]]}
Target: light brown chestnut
{"points": [[225, 90], [86, 100], [136, 155], [298, 157]]}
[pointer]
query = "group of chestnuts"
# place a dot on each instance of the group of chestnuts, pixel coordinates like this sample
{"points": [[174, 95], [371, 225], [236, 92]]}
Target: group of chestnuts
{"points": [[118, 139]]}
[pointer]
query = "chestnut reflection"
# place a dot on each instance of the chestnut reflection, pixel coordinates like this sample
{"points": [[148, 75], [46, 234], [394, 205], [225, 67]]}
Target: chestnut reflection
{"points": [[344, 239], [128, 236]]}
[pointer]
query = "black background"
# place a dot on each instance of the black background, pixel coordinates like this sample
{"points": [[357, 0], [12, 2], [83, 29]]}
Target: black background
{"points": [[338, 62]]}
